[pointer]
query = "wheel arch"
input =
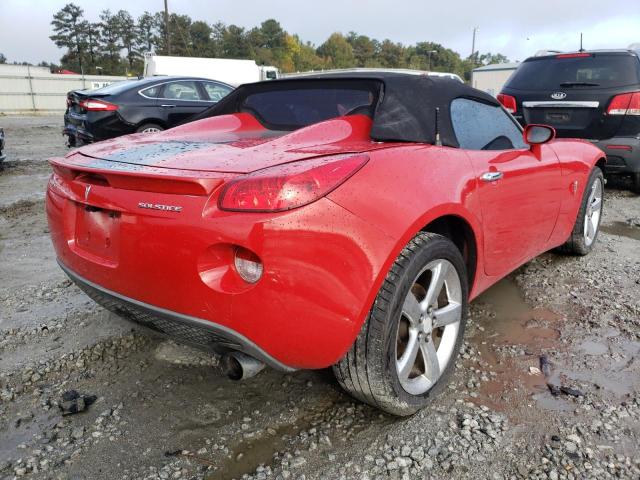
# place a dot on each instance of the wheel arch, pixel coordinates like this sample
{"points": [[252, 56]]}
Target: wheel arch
{"points": [[460, 232], [450, 220], [157, 121]]}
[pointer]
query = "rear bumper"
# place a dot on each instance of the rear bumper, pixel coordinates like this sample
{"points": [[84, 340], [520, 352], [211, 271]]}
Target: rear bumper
{"points": [[195, 331], [321, 264], [623, 154], [94, 126]]}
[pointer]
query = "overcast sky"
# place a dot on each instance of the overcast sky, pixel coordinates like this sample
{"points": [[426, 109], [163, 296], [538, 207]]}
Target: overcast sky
{"points": [[514, 28]]}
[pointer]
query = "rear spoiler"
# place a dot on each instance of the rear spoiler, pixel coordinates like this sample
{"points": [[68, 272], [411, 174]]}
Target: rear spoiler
{"points": [[144, 178]]}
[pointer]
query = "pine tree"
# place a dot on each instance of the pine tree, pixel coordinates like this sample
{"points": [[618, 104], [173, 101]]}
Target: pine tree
{"points": [[68, 30]]}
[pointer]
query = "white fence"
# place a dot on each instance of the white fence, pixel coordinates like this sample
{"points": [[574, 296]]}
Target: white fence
{"points": [[26, 89]]}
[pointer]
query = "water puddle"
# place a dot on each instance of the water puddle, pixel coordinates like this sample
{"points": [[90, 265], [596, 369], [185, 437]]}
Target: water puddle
{"points": [[514, 322], [512, 336], [622, 229], [591, 347], [508, 322], [248, 454]]}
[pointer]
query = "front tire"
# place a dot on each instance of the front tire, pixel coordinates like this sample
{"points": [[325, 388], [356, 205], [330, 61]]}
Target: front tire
{"points": [[585, 230], [407, 347]]}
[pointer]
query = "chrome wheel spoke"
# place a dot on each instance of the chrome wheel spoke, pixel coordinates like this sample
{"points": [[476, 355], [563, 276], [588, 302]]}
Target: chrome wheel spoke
{"points": [[590, 229], [447, 315], [408, 359], [595, 204], [412, 309], [431, 362], [439, 274]]}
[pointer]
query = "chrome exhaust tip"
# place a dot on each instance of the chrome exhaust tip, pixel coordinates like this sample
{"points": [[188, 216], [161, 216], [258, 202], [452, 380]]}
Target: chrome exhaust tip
{"points": [[240, 366]]}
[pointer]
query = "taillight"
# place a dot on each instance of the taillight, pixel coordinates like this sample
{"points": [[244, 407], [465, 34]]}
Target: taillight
{"points": [[573, 55], [288, 186], [625, 104], [92, 105], [508, 102]]}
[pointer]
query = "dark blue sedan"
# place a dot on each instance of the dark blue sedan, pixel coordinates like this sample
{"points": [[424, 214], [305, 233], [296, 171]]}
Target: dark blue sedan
{"points": [[148, 105]]}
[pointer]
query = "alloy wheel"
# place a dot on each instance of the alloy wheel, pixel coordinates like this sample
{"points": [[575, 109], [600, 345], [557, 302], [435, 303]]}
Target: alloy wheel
{"points": [[428, 327], [594, 210]]}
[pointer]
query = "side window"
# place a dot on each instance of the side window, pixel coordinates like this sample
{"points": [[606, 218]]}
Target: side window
{"points": [[152, 92], [479, 126], [216, 91], [183, 90]]}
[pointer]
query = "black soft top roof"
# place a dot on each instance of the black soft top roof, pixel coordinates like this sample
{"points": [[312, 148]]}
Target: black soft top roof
{"points": [[406, 108]]}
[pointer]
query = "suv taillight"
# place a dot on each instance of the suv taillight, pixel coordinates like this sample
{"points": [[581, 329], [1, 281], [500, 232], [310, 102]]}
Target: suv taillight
{"points": [[573, 55], [92, 105], [508, 102], [625, 104]]}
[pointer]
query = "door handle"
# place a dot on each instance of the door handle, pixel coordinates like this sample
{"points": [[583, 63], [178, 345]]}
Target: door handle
{"points": [[491, 176], [167, 106]]}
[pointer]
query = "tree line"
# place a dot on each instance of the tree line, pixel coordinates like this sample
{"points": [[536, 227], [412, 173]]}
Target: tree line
{"points": [[116, 42]]}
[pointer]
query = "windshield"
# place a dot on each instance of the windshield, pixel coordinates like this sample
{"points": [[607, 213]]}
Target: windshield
{"points": [[287, 107], [593, 70]]}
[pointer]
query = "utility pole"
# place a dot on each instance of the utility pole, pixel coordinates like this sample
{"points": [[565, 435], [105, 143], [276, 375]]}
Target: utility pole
{"points": [[473, 44], [430, 52], [167, 40]]}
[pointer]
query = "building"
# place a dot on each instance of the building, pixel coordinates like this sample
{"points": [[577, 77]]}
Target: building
{"points": [[491, 78]]}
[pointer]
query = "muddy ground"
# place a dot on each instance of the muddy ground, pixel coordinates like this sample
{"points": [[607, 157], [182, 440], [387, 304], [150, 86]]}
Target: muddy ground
{"points": [[165, 411]]}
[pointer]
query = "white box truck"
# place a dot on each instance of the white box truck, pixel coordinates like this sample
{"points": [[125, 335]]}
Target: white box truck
{"points": [[233, 72]]}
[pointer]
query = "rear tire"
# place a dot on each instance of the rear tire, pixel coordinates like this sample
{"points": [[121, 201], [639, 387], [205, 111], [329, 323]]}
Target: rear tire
{"points": [[585, 230], [408, 345], [149, 128]]}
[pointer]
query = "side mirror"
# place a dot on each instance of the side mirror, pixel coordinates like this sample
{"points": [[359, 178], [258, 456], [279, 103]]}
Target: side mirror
{"points": [[538, 134]]}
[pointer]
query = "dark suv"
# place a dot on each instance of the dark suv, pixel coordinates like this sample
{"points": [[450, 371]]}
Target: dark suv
{"points": [[593, 95]]}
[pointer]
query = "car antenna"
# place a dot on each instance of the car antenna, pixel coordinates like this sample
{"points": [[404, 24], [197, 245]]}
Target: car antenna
{"points": [[438, 141], [581, 49]]}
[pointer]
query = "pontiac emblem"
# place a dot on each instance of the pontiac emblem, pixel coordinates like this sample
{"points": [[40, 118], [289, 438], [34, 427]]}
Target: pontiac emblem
{"points": [[158, 206], [87, 190]]}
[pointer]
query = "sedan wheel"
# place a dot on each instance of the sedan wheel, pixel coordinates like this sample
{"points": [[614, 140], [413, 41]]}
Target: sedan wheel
{"points": [[408, 344], [149, 128]]}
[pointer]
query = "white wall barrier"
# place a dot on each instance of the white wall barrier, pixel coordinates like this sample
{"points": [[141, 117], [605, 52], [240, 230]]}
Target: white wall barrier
{"points": [[27, 90]]}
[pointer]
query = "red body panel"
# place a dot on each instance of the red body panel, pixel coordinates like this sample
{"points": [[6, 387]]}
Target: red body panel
{"points": [[324, 262]]}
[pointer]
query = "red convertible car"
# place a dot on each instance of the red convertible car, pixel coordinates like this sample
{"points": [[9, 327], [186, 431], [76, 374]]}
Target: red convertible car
{"points": [[342, 220]]}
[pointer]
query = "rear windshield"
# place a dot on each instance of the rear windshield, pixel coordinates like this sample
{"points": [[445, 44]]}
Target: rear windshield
{"points": [[293, 107], [117, 87], [594, 71]]}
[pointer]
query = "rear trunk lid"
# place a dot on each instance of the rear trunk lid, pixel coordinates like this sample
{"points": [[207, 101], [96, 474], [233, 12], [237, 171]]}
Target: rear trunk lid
{"points": [[572, 92], [229, 144]]}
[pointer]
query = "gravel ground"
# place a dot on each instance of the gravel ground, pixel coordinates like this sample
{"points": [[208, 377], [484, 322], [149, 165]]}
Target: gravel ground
{"points": [[548, 385]]}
